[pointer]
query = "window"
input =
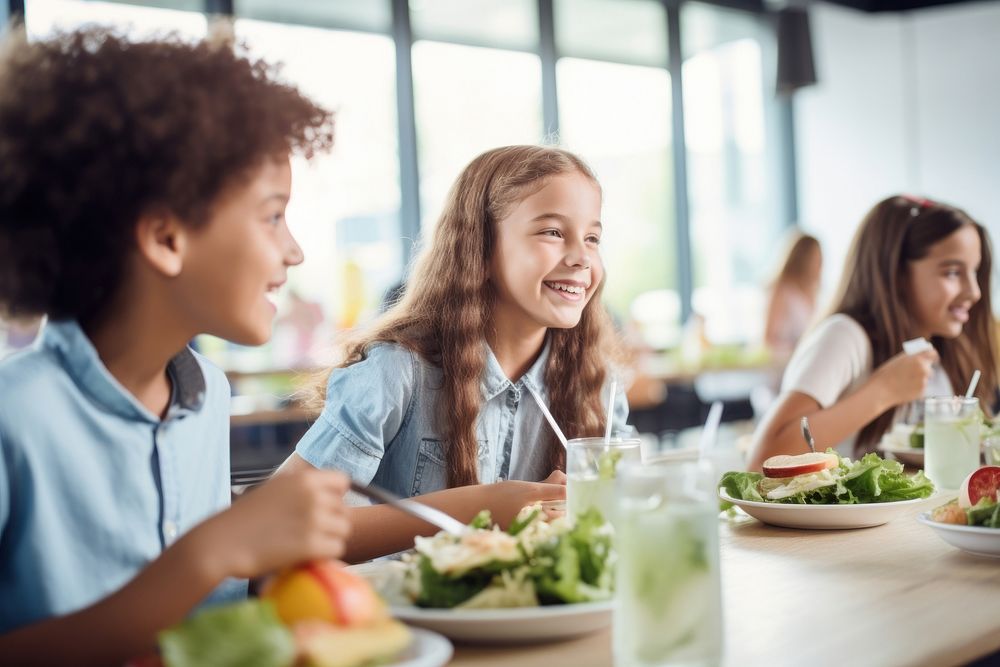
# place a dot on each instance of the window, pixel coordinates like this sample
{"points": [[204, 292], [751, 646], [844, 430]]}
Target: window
{"points": [[344, 210], [473, 95], [618, 117], [734, 218]]}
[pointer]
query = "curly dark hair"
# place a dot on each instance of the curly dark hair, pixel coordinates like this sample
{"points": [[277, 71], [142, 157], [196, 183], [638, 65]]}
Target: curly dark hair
{"points": [[97, 130]]}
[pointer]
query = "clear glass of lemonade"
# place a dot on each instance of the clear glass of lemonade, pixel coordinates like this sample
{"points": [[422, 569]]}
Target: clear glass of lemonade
{"points": [[591, 465], [952, 427], [668, 597]]}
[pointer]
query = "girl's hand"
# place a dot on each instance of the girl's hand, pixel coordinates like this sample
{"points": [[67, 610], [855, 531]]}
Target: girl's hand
{"points": [[904, 377], [293, 517], [505, 499]]}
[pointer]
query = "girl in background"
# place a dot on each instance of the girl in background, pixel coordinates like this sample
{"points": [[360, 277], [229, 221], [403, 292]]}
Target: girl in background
{"points": [[792, 300], [916, 268], [435, 398]]}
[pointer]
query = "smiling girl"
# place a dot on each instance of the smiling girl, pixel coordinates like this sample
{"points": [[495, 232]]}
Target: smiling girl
{"points": [[917, 268], [434, 399]]}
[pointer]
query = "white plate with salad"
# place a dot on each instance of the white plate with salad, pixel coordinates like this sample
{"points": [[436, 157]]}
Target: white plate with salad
{"points": [[825, 491], [971, 521], [822, 517], [538, 581]]}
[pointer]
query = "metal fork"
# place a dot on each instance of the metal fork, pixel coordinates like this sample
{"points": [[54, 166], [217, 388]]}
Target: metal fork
{"points": [[807, 434], [431, 515]]}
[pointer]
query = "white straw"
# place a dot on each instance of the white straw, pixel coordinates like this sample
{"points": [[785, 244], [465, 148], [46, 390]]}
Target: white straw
{"points": [[972, 385], [711, 428], [611, 412], [548, 415]]}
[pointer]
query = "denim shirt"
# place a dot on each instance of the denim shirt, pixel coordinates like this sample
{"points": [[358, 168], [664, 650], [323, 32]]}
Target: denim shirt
{"points": [[93, 486], [379, 423]]}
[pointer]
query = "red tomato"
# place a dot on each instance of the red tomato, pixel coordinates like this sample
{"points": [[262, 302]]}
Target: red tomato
{"points": [[982, 483]]}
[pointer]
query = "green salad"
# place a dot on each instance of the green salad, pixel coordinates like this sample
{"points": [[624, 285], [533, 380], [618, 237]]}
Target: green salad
{"points": [[869, 480], [248, 634], [534, 562], [984, 513]]}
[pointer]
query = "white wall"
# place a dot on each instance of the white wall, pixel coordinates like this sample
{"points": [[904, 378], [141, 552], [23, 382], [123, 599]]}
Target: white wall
{"points": [[905, 102]]}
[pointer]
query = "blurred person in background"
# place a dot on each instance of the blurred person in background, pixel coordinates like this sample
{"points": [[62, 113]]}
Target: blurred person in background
{"points": [[792, 298]]}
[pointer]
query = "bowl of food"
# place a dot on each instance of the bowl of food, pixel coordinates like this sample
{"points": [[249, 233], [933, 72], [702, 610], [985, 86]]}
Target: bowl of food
{"points": [[971, 522]]}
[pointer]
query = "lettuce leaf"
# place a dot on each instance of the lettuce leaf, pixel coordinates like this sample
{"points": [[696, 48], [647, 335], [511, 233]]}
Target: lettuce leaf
{"points": [[246, 634], [984, 513], [741, 486]]}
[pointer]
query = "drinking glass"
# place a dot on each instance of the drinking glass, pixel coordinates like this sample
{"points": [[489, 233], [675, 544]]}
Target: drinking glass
{"points": [[952, 426], [668, 597], [591, 465]]}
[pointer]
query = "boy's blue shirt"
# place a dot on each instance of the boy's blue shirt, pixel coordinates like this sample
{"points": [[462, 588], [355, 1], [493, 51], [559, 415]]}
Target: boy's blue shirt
{"points": [[93, 486], [380, 423]]}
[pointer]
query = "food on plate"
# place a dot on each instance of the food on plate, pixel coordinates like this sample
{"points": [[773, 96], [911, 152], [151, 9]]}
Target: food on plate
{"points": [[314, 615], [790, 466], [868, 480], [325, 591], [535, 562], [977, 503]]}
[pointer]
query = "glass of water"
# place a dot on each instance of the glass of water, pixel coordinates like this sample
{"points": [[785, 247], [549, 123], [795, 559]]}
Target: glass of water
{"points": [[591, 468], [668, 597], [952, 427]]}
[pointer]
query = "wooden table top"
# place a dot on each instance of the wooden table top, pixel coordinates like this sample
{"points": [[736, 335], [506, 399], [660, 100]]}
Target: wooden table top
{"points": [[891, 595]]}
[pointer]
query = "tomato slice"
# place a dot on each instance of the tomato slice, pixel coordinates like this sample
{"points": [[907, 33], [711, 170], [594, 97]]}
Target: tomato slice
{"points": [[983, 483]]}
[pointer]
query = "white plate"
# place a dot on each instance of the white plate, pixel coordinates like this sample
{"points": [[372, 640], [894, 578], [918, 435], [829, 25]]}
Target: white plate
{"points": [[908, 456], [510, 626], [824, 517], [501, 626], [426, 649], [977, 540]]}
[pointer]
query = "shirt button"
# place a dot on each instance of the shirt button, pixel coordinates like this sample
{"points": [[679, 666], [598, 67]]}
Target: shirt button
{"points": [[169, 531]]}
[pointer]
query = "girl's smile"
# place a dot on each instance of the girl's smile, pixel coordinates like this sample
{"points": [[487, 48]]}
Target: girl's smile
{"points": [[571, 290]]}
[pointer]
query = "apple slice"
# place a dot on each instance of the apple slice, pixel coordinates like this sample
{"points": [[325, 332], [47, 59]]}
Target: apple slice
{"points": [[784, 465], [981, 483]]}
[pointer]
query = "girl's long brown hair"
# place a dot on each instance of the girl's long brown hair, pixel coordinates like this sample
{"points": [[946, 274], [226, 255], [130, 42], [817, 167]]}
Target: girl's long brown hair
{"points": [[897, 231], [446, 312], [796, 268]]}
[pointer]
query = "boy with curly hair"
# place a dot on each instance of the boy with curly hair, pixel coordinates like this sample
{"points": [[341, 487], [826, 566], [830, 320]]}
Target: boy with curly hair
{"points": [[142, 196]]}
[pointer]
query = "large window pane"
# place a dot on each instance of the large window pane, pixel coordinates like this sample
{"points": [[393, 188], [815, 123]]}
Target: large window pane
{"points": [[628, 145], [45, 17], [468, 100], [345, 206], [735, 221]]}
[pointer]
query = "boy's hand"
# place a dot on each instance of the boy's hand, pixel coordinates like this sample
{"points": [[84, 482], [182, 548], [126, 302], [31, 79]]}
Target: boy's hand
{"points": [[291, 518], [904, 377]]}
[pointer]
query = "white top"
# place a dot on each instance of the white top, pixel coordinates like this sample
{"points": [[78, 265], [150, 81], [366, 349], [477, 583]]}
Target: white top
{"points": [[834, 359]]}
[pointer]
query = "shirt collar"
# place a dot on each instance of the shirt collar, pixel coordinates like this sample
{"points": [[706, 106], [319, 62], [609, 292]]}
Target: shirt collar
{"points": [[67, 341], [494, 381]]}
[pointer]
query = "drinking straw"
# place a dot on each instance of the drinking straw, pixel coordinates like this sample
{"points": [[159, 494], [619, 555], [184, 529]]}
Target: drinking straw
{"points": [[548, 415], [972, 385], [611, 412], [707, 441]]}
